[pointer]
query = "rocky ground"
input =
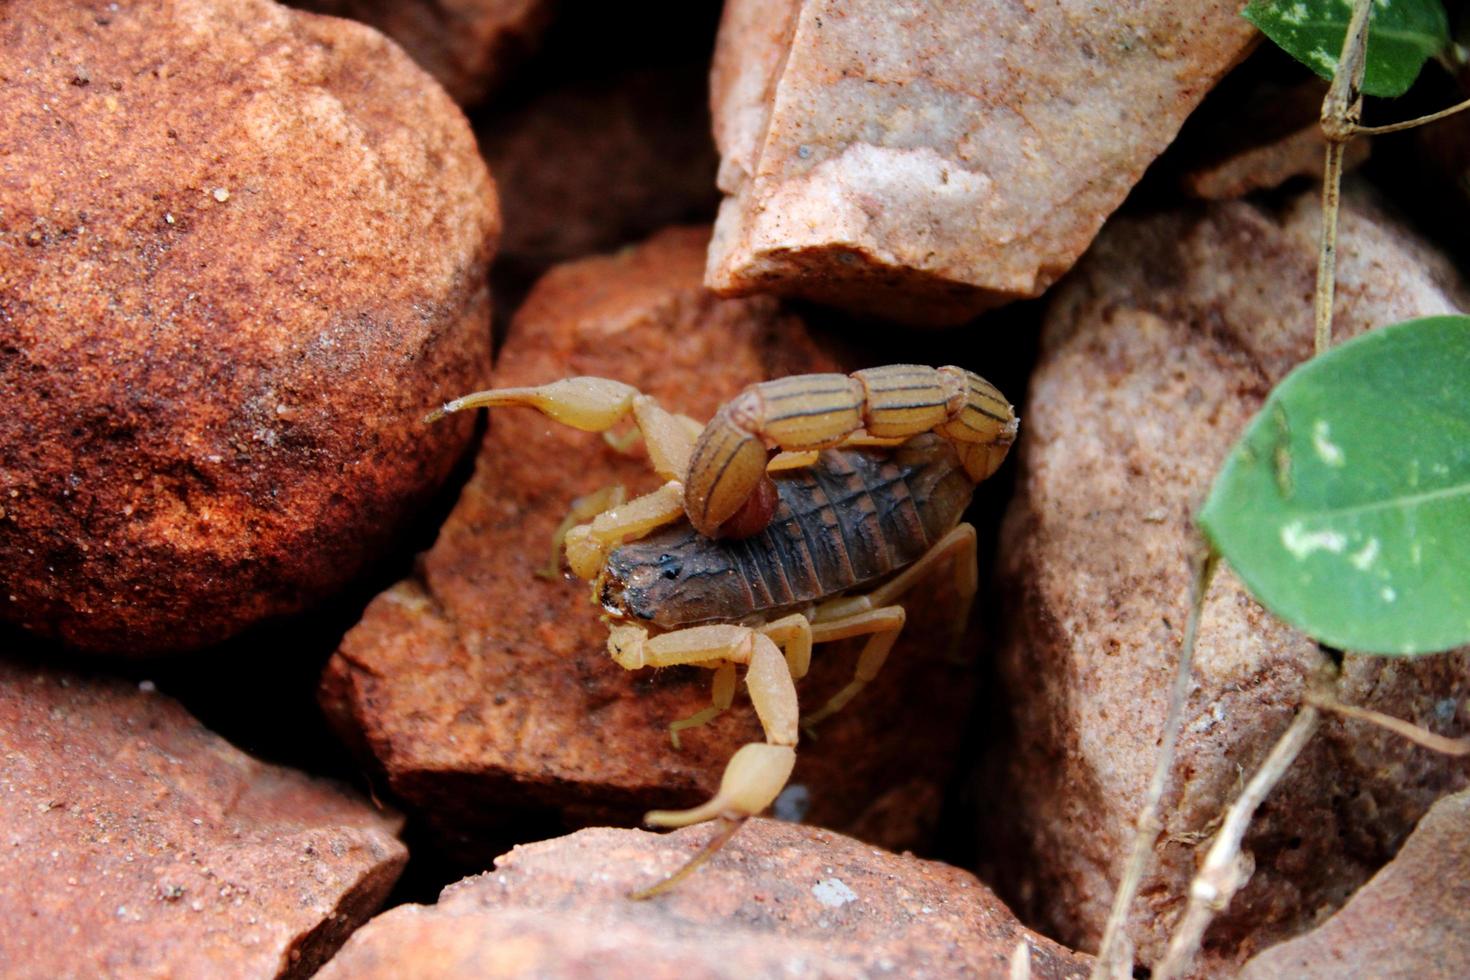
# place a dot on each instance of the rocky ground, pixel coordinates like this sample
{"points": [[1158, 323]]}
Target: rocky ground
{"points": [[288, 679]]}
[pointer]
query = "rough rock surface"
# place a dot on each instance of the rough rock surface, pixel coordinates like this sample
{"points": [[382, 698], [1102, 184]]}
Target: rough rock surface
{"points": [[873, 164], [777, 901], [1154, 357], [1271, 164], [241, 247], [1411, 920], [485, 692], [467, 45], [135, 843], [588, 166]]}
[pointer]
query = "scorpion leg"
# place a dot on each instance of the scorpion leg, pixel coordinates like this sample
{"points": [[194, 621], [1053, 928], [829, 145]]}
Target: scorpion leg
{"points": [[721, 697], [582, 508], [589, 544], [757, 772], [872, 612], [884, 624]]}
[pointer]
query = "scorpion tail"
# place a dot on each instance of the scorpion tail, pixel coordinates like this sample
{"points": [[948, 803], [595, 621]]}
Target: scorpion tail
{"points": [[725, 469]]}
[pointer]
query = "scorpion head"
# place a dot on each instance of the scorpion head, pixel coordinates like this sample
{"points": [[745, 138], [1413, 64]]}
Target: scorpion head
{"points": [[662, 581]]}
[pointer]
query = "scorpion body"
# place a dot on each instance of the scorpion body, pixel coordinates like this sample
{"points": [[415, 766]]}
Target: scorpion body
{"points": [[801, 513], [844, 523]]}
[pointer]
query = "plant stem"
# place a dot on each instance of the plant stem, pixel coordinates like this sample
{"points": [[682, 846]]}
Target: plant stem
{"points": [[1327, 251], [1222, 873], [1411, 123], [1412, 732], [1148, 824], [1341, 111]]}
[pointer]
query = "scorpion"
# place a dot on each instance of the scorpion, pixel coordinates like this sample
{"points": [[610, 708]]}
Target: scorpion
{"points": [[798, 515]]}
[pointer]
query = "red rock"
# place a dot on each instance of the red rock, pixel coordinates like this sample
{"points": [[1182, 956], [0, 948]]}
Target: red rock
{"points": [[1154, 356], [872, 163], [1410, 920], [467, 45], [135, 843], [779, 900], [241, 247], [594, 164], [485, 692]]}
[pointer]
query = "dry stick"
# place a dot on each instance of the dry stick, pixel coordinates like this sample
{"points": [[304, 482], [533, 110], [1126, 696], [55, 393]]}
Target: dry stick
{"points": [[1222, 873], [1340, 113], [1411, 123], [1148, 825], [1412, 732]]}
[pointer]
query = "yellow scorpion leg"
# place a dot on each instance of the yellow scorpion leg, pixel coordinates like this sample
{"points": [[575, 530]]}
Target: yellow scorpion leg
{"points": [[809, 412], [757, 772], [876, 613]]}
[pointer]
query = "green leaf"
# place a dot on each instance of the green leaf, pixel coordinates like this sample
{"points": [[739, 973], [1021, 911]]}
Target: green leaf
{"points": [[1402, 35], [1345, 507]]}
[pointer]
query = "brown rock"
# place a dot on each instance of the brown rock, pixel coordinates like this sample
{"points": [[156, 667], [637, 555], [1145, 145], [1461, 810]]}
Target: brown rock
{"points": [[467, 45], [1268, 165], [1411, 920], [138, 844], [1257, 135], [485, 692], [1154, 356], [588, 166], [779, 900], [872, 163], [241, 247]]}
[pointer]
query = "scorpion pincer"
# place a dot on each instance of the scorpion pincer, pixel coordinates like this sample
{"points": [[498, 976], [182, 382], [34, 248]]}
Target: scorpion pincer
{"points": [[799, 514]]}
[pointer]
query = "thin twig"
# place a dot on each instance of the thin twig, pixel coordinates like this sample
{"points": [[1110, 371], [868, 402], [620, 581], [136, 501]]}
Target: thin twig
{"points": [[1411, 123], [1341, 111], [1327, 252], [1222, 874], [1148, 825], [1410, 731]]}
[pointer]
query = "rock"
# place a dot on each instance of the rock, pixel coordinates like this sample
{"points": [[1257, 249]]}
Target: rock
{"points": [[778, 900], [1257, 136], [467, 45], [139, 844], [241, 247], [1154, 356], [1409, 921], [598, 163], [1299, 154], [485, 692], [871, 164]]}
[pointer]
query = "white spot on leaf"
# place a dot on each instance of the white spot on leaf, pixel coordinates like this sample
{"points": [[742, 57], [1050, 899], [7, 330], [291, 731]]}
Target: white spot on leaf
{"points": [[1301, 542], [1388, 594], [1363, 559], [1328, 451]]}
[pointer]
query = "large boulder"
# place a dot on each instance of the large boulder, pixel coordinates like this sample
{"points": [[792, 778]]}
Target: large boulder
{"points": [[135, 843], [484, 690], [777, 901], [241, 247], [927, 161], [1154, 356]]}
